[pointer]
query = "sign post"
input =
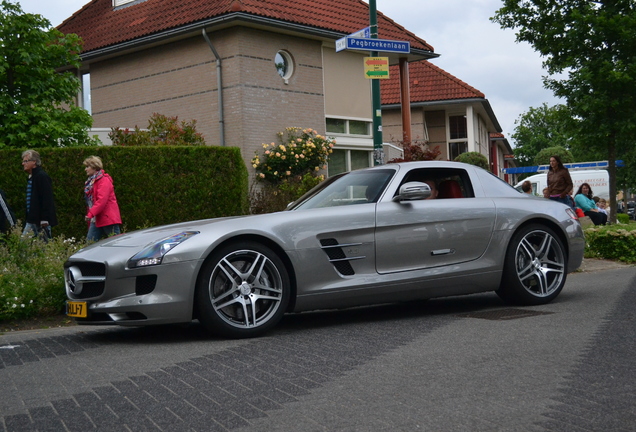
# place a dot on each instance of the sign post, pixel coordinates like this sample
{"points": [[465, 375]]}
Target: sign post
{"points": [[376, 68], [378, 151]]}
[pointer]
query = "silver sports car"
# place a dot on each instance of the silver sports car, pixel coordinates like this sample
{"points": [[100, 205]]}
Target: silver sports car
{"points": [[397, 232]]}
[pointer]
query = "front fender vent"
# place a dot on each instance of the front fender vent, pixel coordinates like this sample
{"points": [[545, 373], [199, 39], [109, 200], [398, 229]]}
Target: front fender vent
{"points": [[337, 257]]}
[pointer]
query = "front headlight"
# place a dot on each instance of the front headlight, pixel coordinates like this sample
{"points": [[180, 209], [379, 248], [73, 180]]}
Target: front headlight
{"points": [[153, 253]]}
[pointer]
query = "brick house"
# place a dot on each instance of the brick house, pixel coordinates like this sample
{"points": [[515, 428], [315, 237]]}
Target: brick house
{"points": [[274, 62], [446, 113]]}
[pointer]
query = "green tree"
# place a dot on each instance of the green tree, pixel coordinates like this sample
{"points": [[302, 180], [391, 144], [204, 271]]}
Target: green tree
{"points": [[589, 49], [541, 128], [543, 157], [38, 83]]}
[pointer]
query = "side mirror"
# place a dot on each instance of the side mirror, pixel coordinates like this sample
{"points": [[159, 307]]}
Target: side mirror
{"points": [[413, 191]]}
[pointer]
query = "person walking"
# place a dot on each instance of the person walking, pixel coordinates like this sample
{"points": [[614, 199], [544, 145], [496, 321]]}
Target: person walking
{"points": [[40, 204], [102, 209], [584, 200], [559, 182], [7, 217]]}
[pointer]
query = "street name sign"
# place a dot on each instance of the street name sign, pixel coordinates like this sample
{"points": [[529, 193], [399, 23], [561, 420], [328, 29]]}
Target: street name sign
{"points": [[362, 33], [366, 44]]}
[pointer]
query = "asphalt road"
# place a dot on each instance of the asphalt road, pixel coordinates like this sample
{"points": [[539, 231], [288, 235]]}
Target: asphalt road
{"points": [[456, 364]]}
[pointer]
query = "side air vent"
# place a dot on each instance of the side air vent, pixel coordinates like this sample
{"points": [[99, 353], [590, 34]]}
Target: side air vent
{"points": [[337, 257], [145, 284]]}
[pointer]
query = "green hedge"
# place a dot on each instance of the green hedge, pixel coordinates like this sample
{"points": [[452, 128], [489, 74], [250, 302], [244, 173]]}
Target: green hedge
{"points": [[154, 185], [614, 242]]}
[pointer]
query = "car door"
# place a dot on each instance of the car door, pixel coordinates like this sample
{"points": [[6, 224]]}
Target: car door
{"points": [[413, 235]]}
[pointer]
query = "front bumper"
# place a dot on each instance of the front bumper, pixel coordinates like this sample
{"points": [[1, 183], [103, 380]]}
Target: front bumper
{"points": [[115, 294]]}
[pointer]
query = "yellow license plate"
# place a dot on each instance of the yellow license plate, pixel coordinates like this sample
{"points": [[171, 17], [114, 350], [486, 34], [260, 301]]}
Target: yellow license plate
{"points": [[76, 309]]}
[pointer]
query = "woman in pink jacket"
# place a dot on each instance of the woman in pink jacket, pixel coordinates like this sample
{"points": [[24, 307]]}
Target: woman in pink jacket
{"points": [[103, 212]]}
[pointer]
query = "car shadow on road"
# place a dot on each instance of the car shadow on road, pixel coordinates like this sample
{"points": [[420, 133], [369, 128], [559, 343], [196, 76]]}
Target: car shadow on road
{"points": [[419, 309], [299, 322]]}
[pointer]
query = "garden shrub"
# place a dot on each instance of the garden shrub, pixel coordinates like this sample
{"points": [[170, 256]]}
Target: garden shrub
{"points": [[622, 218], [288, 169], [155, 185], [162, 130], [474, 158], [612, 242], [299, 152], [416, 151], [32, 277]]}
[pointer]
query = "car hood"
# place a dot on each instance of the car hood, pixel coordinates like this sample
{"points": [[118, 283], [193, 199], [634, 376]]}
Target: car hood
{"points": [[149, 235]]}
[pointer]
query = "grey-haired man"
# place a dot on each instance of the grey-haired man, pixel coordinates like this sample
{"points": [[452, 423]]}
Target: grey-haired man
{"points": [[40, 206]]}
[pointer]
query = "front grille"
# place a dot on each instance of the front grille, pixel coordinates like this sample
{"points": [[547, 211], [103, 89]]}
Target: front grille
{"points": [[91, 289], [85, 289], [91, 268]]}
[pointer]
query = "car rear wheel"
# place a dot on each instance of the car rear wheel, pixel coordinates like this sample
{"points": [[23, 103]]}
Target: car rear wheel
{"points": [[534, 268], [243, 290]]}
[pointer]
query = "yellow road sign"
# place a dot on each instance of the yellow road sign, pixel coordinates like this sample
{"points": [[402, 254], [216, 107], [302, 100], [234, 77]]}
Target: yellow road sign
{"points": [[376, 67]]}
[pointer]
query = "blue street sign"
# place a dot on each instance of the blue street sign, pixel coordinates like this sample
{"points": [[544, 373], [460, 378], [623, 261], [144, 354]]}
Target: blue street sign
{"points": [[364, 44], [362, 33]]}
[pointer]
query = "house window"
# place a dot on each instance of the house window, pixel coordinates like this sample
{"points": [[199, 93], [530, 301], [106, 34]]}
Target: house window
{"points": [[457, 148], [458, 135], [338, 126], [348, 127], [342, 160], [284, 65], [457, 127], [121, 2]]}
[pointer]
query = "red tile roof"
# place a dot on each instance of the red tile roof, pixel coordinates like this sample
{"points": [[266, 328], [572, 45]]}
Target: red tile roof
{"points": [[100, 26], [428, 83]]}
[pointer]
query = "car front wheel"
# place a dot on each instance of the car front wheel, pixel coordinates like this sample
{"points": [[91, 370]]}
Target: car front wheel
{"points": [[534, 268], [243, 290]]}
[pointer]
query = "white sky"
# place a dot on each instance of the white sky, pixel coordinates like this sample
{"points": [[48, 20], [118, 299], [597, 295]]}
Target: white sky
{"points": [[472, 48]]}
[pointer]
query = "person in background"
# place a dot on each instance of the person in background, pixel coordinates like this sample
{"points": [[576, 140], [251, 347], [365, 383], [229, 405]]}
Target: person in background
{"points": [[7, 217], [40, 205], [545, 193], [526, 187], [559, 181], [584, 200], [102, 209], [601, 204]]}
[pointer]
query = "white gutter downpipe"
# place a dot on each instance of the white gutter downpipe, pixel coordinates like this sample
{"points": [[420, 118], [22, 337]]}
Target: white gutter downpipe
{"points": [[219, 84]]}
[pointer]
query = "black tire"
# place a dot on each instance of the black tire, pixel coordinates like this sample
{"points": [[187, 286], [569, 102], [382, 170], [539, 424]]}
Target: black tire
{"points": [[535, 267], [243, 290]]}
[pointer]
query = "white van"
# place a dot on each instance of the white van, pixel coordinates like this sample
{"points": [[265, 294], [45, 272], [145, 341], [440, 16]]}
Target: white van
{"points": [[597, 179]]}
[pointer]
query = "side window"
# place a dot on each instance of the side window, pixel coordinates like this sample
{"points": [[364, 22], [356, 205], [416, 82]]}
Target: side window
{"points": [[449, 182]]}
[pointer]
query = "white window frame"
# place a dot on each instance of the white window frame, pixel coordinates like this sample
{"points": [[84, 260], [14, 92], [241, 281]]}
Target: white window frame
{"points": [[121, 2], [456, 140], [290, 65], [369, 123], [348, 151]]}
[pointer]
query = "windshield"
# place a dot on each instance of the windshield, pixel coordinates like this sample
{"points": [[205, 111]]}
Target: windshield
{"points": [[356, 187]]}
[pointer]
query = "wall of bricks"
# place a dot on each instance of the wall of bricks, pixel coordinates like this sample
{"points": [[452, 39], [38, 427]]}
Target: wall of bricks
{"points": [[180, 79]]}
